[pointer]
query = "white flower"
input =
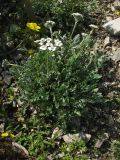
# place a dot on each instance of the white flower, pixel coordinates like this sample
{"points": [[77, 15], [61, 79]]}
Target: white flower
{"points": [[48, 44], [41, 41], [49, 24], [37, 41], [48, 39], [77, 16], [58, 43], [51, 48], [43, 47]]}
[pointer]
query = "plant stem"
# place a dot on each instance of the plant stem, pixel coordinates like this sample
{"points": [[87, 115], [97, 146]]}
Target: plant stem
{"points": [[47, 64], [73, 29], [51, 33]]}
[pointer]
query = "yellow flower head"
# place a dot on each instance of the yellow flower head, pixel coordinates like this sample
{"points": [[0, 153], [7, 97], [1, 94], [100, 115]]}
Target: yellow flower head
{"points": [[117, 13], [12, 135], [4, 134], [30, 52], [33, 26]]}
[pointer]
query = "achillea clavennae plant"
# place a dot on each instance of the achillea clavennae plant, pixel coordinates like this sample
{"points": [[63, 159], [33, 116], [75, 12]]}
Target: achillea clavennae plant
{"points": [[63, 85]]}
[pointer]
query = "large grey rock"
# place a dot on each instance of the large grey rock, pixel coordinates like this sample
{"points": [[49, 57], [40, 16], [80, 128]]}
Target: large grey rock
{"points": [[20, 150], [113, 27], [117, 4], [13, 151]]}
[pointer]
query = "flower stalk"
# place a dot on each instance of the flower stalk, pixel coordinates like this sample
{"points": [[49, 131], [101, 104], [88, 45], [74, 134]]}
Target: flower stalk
{"points": [[77, 17]]}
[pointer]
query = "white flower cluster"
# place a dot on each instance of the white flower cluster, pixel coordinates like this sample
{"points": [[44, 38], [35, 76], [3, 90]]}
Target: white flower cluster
{"points": [[77, 16], [49, 24], [49, 44]]}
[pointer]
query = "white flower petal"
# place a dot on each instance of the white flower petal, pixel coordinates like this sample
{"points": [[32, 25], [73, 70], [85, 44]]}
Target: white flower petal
{"points": [[52, 48], [58, 43], [43, 48], [48, 39], [49, 44], [37, 41]]}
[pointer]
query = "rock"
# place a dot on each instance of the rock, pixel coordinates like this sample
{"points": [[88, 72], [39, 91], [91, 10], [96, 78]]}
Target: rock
{"points": [[114, 48], [101, 141], [87, 137], [20, 151], [69, 138], [107, 41], [109, 18], [117, 4], [12, 150], [116, 56], [113, 27]]}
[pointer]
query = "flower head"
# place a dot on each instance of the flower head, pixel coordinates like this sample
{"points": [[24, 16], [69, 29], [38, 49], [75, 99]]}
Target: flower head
{"points": [[49, 44], [12, 135], [77, 16], [33, 26], [117, 13], [52, 48], [49, 24], [4, 134], [43, 47]]}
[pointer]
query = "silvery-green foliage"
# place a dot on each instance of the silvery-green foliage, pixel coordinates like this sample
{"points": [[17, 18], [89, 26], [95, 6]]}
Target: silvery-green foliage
{"points": [[61, 86]]}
